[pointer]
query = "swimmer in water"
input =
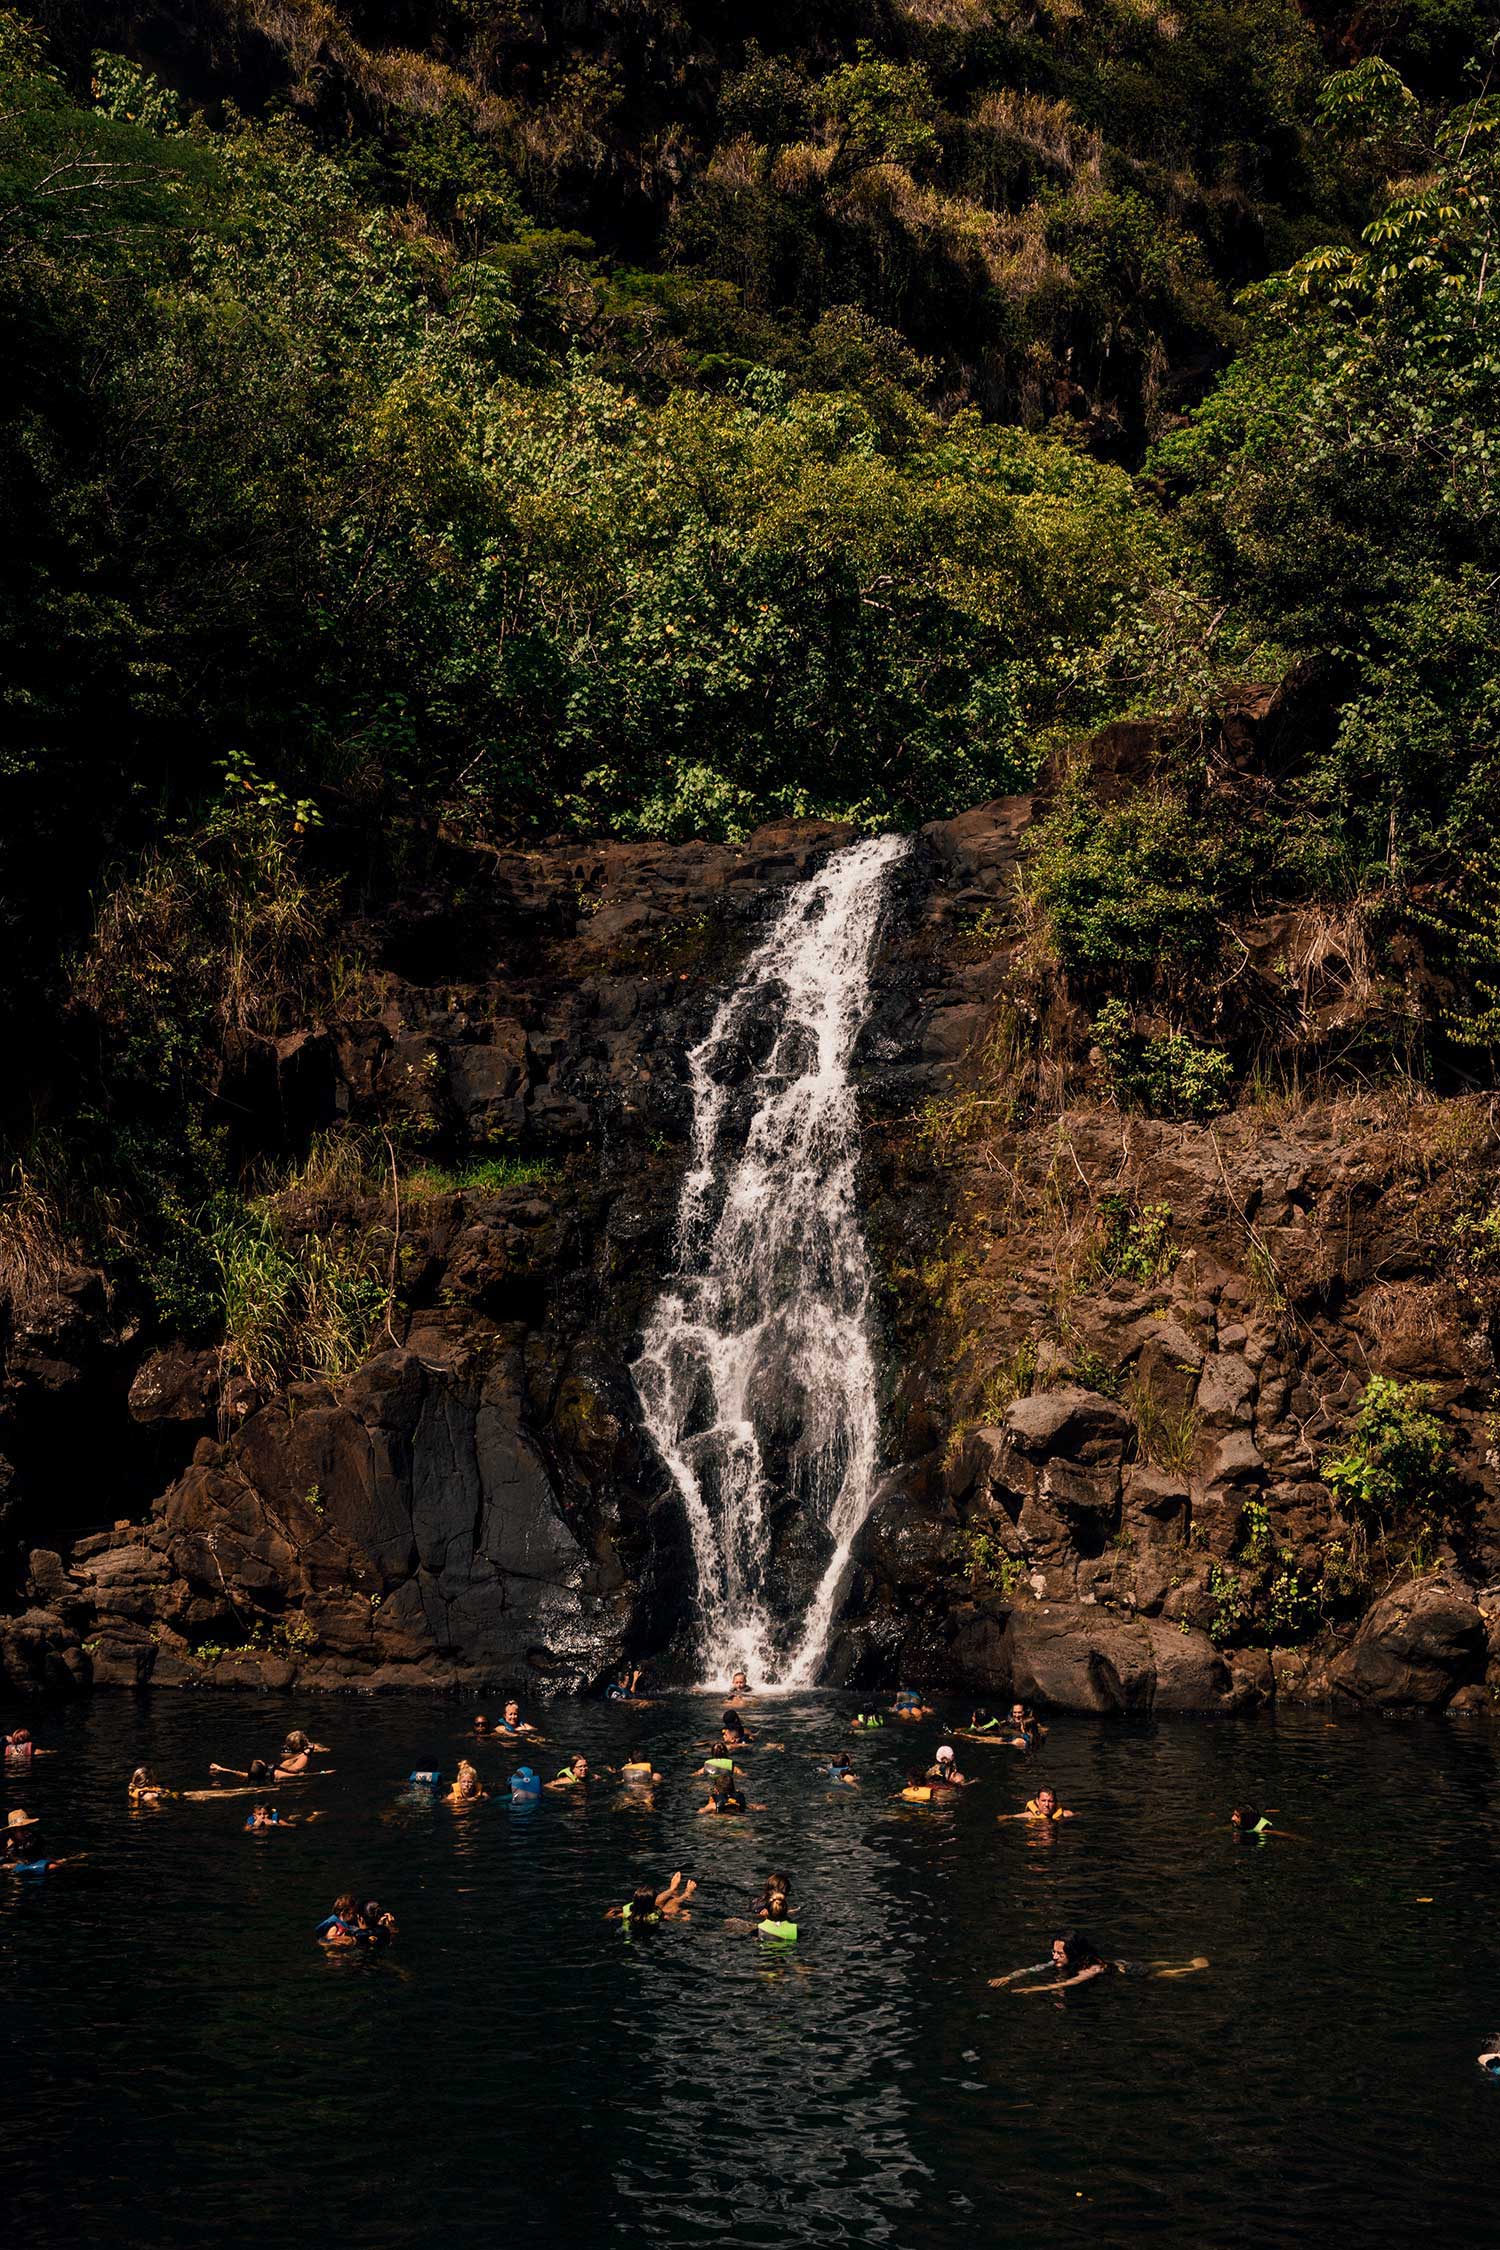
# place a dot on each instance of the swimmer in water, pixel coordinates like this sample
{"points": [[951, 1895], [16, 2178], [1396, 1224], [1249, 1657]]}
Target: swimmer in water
{"points": [[574, 1775], [1043, 1806], [775, 1918], [1027, 1725], [841, 1773], [143, 1787], [909, 1705], [512, 1723], [867, 1719], [257, 1773], [263, 1814], [481, 1724], [467, 1788], [647, 1905], [739, 1687], [918, 1790], [944, 1771], [18, 1855], [637, 1773], [725, 1796], [297, 1756], [1246, 1821], [21, 1752], [1076, 1960], [377, 1927], [339, 1932]]}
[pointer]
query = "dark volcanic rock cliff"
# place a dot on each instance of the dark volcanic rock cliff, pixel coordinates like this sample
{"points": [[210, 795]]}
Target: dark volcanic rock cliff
{"points": [[1117, 1349]]}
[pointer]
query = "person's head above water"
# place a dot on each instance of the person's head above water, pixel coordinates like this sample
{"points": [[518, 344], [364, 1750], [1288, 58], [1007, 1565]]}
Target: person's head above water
{"points": [[512, 1713], [1072, 1950], [481, 1723], [1046, 1800], [297, 1742], [945, 1754]]}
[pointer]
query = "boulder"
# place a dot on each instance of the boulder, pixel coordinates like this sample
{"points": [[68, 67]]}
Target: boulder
{"points": [[1082, 1424], [1418, 1645], [1074, 1658]]}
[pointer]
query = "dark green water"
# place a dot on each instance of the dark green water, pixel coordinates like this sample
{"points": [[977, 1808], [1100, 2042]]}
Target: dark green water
{"points": [[185, 2067]]}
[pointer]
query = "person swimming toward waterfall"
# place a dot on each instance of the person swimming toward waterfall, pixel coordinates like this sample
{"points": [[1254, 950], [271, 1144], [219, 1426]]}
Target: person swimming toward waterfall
{"points": [[1075, 1959], [909, 1706], [726, 1796]]}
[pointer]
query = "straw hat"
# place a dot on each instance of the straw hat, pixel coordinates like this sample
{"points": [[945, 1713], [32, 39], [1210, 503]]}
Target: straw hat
{"points": [[19, 1819]]}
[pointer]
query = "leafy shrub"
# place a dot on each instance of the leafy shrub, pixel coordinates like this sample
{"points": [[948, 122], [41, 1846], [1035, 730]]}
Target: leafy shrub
{"points": [[1126, 889], [1395, 1466], [1134, 1242], [1167, 1075]]}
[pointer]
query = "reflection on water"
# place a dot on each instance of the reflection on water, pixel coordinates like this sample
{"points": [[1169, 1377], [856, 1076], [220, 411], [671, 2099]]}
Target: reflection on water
{"points": [[184, 2067]]}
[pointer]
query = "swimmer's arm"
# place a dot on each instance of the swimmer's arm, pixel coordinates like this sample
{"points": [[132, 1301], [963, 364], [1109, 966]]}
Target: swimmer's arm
{"points": [[1035, 1970], [1082, 1977]]}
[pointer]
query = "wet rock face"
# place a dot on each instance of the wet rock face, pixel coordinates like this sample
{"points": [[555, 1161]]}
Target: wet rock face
{"points": [[475, 1503], [1103, 1452]]}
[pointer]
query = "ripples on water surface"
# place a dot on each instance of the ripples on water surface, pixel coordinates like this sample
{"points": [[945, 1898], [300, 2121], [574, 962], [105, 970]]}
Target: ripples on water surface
{"points": [[185, 2067]]}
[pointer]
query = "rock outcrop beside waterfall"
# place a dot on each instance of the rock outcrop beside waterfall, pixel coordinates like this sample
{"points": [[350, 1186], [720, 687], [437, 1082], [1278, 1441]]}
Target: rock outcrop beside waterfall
{"points": [[1102, 1489]]}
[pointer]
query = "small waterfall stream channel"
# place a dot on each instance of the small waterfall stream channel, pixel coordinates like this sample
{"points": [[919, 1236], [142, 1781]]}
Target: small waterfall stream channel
{"points": [[757, 1374]]}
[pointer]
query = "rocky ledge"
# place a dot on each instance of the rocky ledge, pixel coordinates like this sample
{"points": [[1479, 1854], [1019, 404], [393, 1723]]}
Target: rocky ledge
{"points": [[1119, 1348]]}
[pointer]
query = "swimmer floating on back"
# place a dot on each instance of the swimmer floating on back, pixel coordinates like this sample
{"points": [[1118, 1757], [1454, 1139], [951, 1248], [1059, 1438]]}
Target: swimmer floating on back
{"points": [[646, 1905]]}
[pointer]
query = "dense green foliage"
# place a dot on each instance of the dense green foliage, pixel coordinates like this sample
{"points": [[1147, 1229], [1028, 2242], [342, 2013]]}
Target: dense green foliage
{"points": [[1395, 1466], [675, 417]]}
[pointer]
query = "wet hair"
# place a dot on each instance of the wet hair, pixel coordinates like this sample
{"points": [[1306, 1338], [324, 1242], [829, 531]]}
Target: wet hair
{"points": [[260, 1805], [1079, 1951], [296, 1742], [143, 1778], [643, 1900], [346, 1906], [370, 1912], [1244, 1816]]}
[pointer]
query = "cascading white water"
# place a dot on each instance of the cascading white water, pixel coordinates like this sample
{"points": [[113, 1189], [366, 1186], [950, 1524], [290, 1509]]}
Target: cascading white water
{"points": [[756, 1374]]}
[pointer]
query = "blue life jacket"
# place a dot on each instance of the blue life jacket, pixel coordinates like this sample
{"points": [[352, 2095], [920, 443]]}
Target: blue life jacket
{"points": [[425, 1778], [525, 1783]]}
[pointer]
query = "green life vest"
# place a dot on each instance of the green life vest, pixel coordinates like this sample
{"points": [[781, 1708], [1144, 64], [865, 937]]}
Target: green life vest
{"points": [[786, 1930]]}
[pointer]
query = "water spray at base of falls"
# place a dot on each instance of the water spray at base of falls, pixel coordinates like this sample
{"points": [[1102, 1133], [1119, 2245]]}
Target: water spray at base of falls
{"points": [[757, 1373]]}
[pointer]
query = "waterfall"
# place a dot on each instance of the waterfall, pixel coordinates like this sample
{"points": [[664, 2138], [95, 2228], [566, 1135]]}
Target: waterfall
{"points": [[756, 1375]]}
